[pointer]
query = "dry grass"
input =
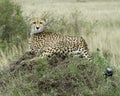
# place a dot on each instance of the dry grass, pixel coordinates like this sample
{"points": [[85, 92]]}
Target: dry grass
{"points": [[11, 54]]}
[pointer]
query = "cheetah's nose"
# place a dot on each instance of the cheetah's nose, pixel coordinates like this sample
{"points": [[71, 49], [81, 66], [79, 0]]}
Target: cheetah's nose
{"points": [[37, 27]]}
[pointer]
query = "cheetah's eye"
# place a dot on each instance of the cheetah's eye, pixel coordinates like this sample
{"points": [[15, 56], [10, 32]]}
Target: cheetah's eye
{"points": [[40, 22], [34, 22]]}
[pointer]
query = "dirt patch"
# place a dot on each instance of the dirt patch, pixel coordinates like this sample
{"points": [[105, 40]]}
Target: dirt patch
{"points": [[61, 86]]}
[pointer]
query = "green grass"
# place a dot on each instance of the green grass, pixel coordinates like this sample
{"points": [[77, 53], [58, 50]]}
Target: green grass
{"points": [[70, 77]]}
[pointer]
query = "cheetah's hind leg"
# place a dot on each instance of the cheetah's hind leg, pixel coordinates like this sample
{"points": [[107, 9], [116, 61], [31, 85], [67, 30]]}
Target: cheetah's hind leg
{"points": [[77, 53], [82, 53]]}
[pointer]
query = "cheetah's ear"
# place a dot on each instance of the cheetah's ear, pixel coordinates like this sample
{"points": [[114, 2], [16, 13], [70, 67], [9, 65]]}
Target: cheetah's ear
{"points": [[48, 21], [29, 21], [45, 21]]}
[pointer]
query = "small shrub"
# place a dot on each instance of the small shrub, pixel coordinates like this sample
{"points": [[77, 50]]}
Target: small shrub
{"points": [[13, 28]]}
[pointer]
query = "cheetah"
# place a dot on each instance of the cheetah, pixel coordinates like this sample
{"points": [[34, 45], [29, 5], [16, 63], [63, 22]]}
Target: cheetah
{"points": [[48, 43]]}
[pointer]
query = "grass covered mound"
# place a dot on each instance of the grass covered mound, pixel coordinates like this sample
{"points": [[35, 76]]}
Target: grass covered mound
{"points": [[71, 76]]}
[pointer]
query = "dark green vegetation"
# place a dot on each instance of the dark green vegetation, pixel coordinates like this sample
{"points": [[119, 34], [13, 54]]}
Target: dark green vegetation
{"points": [[55, 76], [13, 29]]}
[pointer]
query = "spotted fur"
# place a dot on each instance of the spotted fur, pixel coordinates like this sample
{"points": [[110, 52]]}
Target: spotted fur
{"points": [[48, 43]]}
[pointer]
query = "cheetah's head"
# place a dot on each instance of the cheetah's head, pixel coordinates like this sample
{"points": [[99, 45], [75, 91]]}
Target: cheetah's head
{"points": [[37, 25]]}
